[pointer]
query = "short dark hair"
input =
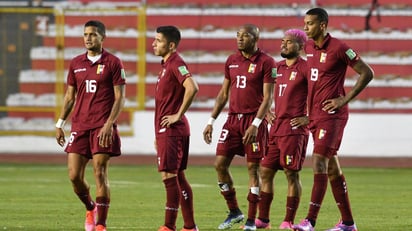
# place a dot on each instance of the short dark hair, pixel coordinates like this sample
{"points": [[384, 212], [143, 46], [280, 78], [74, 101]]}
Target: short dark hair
{"points": [[171, 33], [99, 25], [321, 13]]}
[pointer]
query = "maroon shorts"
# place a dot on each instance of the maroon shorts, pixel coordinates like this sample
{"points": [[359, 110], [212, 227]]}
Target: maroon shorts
{"points": [[172, 153], [327, 136], [286, 152], [230, 140], [87, 143]]}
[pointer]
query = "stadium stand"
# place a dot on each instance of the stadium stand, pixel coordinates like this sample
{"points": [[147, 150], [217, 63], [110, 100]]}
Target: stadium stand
{"points": [[209, 28]]}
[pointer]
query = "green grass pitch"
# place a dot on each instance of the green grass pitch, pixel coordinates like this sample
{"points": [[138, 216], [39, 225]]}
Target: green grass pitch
{"points": [[40, 197]]}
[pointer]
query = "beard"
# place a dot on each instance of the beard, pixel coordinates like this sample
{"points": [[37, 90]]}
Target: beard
{"points": [[94, 49], [289, 55]]}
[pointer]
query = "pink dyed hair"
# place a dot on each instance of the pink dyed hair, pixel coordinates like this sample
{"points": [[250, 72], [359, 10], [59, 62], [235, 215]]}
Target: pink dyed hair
{"points": [[299, 35]]}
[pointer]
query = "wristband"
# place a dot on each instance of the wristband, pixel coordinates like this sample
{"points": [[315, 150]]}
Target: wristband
{"points": [[211, 121], [60, 123], [256, 122]]}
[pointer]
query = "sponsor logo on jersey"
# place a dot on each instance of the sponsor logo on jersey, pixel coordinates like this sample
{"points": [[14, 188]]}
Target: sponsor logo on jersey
{"points": [[162, 130], [183, 70], [100, 68], [79, 70], [233, 66], [351, 54], [293, 75], [323, 57]]}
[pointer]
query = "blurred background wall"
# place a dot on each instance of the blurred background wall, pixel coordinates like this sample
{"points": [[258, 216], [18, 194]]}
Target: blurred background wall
{"points": [[38, 39]]}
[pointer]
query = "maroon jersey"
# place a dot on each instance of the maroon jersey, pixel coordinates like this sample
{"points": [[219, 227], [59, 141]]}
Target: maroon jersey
{"points": [[246, 76], [94, 89], [290, 97], [169, 95], [328, 64]]}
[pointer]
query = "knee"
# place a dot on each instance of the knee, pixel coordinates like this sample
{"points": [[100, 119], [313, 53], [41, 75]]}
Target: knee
{"points": [[266, 174], [334, 172], [292, 176], [99, 172], [253, 169], [220, 167], [293, 180], [320, 164], [75, 177]]}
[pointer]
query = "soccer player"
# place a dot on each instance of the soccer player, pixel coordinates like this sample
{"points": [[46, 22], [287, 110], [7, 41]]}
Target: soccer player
{"points": [[175, 91], [95, 92], [248, 85], [289, 134], [328, 59]]}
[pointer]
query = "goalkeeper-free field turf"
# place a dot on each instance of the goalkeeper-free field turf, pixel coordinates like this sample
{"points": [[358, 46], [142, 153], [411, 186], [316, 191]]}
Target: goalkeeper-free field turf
{"points": [[40, 197]]}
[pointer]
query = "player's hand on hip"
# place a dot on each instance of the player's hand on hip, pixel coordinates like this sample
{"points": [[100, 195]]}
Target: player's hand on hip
{"points": [[331, 105], [169, 120], [299, 121]]}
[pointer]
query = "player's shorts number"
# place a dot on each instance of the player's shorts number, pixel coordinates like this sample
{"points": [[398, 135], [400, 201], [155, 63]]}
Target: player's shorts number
{"points": [[223, 135], [71, 138]]}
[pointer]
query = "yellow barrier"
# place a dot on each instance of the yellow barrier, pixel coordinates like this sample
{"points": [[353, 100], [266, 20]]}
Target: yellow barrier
{"points": [[56, 24]]}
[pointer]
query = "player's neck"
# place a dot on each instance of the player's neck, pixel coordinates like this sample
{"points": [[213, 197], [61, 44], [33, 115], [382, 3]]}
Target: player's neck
{"points": [[94, 52], [319, 40], [291, 61], [249, 53], [166, 56]]}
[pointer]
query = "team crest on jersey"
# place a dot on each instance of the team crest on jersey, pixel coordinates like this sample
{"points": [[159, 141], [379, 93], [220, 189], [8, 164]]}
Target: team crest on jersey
{"points": [[323, 57], [100, 68], [322, 133], [351, 54], [274, 72], [162, 73], [293, 75], [252, 68], [183, 70]]}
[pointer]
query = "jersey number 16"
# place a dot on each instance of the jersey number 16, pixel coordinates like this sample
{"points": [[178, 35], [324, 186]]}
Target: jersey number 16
{"points": [[91, 86]]}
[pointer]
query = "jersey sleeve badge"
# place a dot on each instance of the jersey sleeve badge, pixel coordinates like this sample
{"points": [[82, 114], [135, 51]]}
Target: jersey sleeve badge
{"points": [[123, 73], [183, 70], [274, 72], [351, 54]]}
